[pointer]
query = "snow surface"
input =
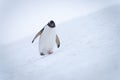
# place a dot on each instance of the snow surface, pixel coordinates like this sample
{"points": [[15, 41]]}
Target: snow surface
{"points": [[26, 17], [90, 50]]}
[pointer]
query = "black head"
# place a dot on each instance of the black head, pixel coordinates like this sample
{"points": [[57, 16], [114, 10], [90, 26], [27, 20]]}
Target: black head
{"points": [[51, 24]]}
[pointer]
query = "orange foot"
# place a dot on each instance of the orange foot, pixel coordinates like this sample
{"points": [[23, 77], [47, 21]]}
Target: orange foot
{"points": [[50, 52]]}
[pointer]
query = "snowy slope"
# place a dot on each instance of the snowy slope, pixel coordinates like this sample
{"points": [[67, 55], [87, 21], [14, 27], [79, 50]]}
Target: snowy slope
{"points": [[89, 51]]}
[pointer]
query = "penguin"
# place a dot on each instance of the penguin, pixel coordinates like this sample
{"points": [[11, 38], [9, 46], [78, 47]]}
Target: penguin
{"points": [[47, 39]]}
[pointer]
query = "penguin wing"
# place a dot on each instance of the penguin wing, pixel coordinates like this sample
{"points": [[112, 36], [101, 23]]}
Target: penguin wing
{"points": [[39, 33], [57, 41]]}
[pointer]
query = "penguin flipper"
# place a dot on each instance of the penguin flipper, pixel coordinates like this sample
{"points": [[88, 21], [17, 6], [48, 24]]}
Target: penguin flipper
{"points": [[57, 41], [39, 33]]}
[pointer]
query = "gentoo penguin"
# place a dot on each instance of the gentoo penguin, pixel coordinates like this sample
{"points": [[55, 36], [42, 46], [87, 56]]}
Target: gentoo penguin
{"points": [[47, 39]]}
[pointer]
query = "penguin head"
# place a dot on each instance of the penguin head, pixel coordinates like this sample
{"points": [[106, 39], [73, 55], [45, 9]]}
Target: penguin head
{"points": [[51, 24]]}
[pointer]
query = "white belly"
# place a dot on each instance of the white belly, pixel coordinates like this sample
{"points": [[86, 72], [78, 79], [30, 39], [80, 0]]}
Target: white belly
{"points": [[47, 40]]}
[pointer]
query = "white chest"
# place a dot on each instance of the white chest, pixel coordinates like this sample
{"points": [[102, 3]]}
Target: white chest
{"points": [[47, 39]]}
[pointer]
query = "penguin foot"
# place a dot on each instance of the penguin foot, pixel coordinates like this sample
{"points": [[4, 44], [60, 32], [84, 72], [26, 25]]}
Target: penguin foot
{"points": [[42, 54], [50, 52]]}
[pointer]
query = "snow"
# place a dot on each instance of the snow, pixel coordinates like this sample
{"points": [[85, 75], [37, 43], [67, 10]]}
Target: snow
{"points": [[24, 18], [90, 48]]}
